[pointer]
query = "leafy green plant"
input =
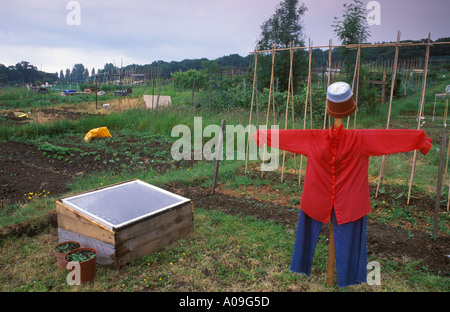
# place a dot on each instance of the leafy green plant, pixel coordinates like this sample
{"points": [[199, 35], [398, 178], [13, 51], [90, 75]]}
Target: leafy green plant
{"points": [[80, 256], [48, 147], [66, 247]]}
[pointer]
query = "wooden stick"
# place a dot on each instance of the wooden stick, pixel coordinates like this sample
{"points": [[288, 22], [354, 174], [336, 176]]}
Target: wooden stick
{"points": [[448, 199], [357, 85], [310, 96], [331, 255], [394, 77], [422, 100], [273, 103], [218, 156], [434, 108], [445, 175], [292, 104], [331, 250], [310, 90], [437, 203], [271, 85], [445, 113], [268, 103], [446, 162], [251, 111], [287, 108], [257, 103], [354, 77], [329, 80], [306, 108]]}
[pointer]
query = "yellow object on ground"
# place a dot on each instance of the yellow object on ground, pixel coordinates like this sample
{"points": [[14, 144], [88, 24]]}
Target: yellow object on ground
{"points": [[20, 115], [97, 133]]}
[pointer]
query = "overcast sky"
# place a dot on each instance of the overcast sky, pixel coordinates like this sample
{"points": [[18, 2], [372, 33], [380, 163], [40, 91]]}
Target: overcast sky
{"points": [[55, 35]]}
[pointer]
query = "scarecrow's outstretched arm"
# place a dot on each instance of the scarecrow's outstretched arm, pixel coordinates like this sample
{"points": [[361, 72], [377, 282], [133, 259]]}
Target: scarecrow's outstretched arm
{"points": [[296, 141], [388, 141]]}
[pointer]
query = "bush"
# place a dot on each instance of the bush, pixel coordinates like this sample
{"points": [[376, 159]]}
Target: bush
{"points": [[185, 80]]}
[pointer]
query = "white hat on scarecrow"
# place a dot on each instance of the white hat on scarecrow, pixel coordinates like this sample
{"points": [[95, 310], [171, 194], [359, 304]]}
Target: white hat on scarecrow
{"points": [[340, 102]]}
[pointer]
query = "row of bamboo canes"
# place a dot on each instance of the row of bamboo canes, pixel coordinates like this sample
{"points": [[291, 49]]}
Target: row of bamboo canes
{"points": [[355, 89]]}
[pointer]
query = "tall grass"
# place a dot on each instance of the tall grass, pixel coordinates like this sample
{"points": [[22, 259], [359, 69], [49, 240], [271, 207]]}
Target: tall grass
{"points": [[137, 119]]}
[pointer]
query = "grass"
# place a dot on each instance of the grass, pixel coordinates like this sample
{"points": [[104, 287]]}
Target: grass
{"points": [[224, 253]]}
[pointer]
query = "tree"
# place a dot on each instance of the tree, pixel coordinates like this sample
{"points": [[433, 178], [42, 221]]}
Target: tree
{"points": [[281, 29], [86, 74], [27, 72], [61, 75], [352, 29], [185, 80], [4, 74], [211, 68], [78, 72], [284, 26]]}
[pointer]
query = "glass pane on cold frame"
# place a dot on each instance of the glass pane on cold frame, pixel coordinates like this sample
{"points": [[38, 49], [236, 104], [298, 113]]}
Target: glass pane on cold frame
{"points": [[121, 204]]}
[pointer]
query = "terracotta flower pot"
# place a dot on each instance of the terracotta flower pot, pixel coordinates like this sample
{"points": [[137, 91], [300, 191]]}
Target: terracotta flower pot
{"points": [[60, 254], [86, 268]]}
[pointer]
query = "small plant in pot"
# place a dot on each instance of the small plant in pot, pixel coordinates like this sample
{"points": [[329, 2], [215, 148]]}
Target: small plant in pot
{"points": [[82, 260], [62, 249]]}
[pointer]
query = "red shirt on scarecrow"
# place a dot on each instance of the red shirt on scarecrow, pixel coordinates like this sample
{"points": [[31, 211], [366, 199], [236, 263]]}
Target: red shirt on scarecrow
{"points": [[338, 160]]}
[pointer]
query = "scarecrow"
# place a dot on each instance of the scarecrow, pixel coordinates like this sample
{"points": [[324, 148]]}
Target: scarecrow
{"points": [[336, 182]]}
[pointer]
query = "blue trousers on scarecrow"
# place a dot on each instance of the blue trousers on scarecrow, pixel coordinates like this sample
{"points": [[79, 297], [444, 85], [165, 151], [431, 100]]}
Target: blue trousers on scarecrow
{"points": [[350, 248]]}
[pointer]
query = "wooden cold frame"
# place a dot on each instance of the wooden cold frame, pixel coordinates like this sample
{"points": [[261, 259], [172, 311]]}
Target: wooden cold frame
{"points": [[118, 246]]}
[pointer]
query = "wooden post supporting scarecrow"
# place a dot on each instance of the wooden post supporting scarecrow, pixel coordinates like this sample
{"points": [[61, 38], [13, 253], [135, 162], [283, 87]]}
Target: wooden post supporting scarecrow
{"points": [[336, 186]]}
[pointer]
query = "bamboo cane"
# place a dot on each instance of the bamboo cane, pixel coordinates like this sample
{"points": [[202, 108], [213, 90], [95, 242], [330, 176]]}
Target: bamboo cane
{"points": [[404, 76], [292, 104], [357, 85], [329, 80], [251, 111], [271, 84], [306, 108], [445, 174], [310, 90], [394, 75], [448, 199], [287, 107], [446, 162], [257, 103], [310, 101], [438, 188], [422, 100], [354, 78], [445, 113], [434, 108], [268, 103]]}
